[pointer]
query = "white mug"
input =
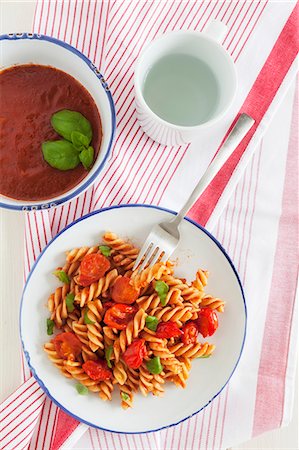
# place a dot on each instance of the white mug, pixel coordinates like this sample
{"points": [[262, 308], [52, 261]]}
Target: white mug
{"points": [[207, 48]]}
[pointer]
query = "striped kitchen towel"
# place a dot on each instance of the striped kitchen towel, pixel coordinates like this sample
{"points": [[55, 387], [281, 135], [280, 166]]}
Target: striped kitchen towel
{"points": [[251, 194]]}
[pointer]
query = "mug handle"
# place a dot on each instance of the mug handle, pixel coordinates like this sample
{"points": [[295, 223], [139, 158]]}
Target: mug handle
{"points": [[216, 30]]}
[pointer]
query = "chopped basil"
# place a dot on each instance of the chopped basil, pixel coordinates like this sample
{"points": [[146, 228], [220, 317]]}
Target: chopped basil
{"points": [[108, 353], [62, 276], [61, 155], [154, 365], [50, 326], [124, 396], [204, 356], [86, 157], [105, 250], [81, 389], [151, 322], [162, 289], [87, 320], [65, 122], [69, 300]]}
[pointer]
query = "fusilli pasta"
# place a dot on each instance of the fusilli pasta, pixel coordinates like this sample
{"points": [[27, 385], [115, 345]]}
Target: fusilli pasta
{"points": [[134, 330]]}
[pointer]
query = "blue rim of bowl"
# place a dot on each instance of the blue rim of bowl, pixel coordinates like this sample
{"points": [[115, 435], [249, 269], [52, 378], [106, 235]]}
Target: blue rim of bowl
{"points": [[99, 211], [93, 68]]}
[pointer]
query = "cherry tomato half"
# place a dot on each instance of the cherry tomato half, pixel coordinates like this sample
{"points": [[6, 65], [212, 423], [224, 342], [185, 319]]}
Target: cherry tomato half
{"points": [[97, 370], [135, 353], [168, 330], [67, 345], [123, 292], [119, 315], [207, 322], [190, 333], [92, 268]]}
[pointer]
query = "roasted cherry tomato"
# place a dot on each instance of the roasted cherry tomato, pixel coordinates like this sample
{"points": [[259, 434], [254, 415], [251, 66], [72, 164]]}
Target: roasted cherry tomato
{"points": [[92, 268], [67, 345], [135, 353], [97, 370], [168, 330], [190, 333], [207, 322], [123, 292], [119, 315]]}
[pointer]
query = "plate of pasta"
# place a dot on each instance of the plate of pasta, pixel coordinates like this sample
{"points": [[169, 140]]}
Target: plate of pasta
{"points": [[130, 351]]}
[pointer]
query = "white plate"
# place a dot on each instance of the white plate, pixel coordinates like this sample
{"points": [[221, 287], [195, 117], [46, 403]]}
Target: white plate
{"points": [[197, 249]]}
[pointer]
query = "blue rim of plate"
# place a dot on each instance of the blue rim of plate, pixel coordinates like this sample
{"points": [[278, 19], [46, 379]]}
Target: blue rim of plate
{"points": [[93, 68], [99, 211]]}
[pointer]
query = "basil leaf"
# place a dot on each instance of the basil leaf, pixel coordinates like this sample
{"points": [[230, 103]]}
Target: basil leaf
{"points": [[65, 122], [124, 396], [108, 353], [62, 276], [151, 322], [79, 140], [87, 320], [154, 365], [105, 250], [69, 300], [162, 289], [61, 155], [81, 389], [86, 157], [50, 326]]}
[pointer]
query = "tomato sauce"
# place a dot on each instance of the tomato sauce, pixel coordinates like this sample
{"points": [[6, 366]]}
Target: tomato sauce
{"points": [[29, 95]]}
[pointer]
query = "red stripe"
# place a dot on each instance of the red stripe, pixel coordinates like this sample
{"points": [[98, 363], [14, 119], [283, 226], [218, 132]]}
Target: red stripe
{"points": [[180, 15], [17, 406], [197, 23], [104, 36], [16, 445], [47, 17], [53, 22], [37, 231], [60, 20], [16, 398], [209, 425], [85, 28], [253, 26], [231, 14], [47, 422], [238, 28], [80, 21], [216, 423], [274, 353], [166, 171], [117, 51], [40, 422], [65, 427], [263, 89], [92, 28], [246, 26], [233, 24], [98, 33], [18, 425], [67, 20], [208, 18]]}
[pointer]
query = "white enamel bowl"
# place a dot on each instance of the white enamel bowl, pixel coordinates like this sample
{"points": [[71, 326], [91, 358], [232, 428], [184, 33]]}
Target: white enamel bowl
{"points": [[26, 48], [197, 249]]}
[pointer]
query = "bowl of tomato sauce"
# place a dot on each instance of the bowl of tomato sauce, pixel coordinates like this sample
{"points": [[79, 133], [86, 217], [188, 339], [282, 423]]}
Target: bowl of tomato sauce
{"points": [[57, 122]]}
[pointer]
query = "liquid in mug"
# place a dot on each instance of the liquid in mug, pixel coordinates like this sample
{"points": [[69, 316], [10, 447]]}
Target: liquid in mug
{"points": [[182, 90]]}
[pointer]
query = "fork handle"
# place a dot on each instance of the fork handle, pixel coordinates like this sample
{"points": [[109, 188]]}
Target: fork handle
{"points": [[239, 131]]}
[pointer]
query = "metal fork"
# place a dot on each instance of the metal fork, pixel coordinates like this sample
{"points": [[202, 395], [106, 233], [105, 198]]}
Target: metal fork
{"points": [[164, 237]]}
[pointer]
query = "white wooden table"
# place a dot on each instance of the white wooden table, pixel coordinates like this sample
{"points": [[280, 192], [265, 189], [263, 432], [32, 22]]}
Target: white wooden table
{"points": [[17, 16]]}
